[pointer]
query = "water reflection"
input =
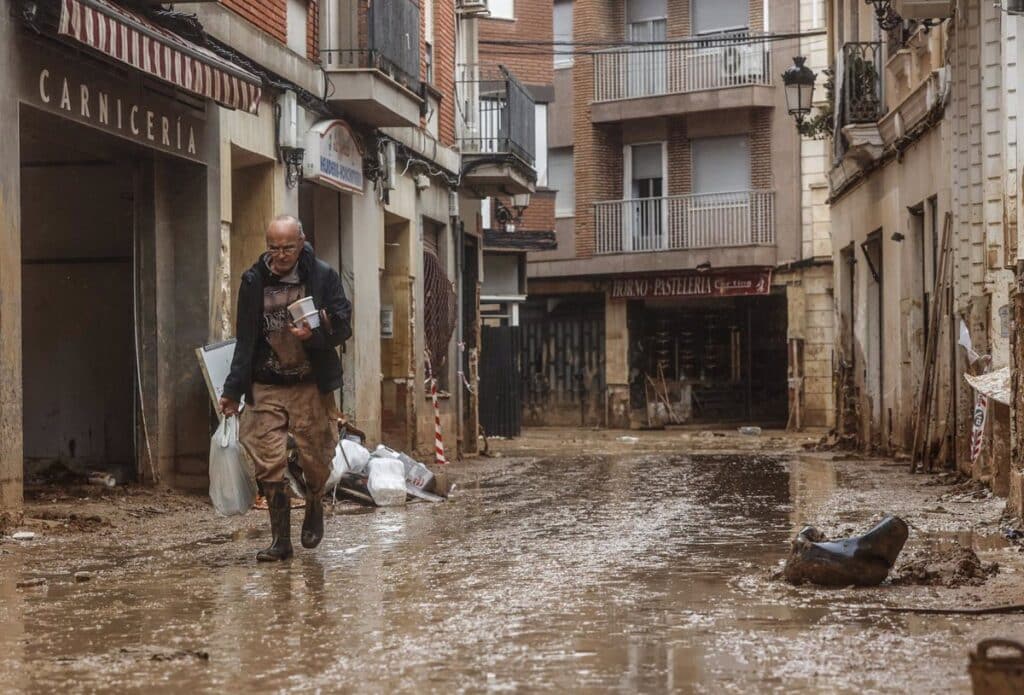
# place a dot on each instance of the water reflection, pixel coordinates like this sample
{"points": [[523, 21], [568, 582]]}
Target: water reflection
{"points": [[640, 574]]}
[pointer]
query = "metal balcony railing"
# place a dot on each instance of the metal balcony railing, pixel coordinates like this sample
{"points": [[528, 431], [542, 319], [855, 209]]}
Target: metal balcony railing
{"points": [[860, 82], [392, 46], [496, 113], [696, 221], [718, 62]]}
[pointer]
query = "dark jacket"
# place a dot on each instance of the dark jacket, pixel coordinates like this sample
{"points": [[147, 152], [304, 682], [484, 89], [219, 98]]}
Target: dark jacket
{"points": [[324, 286]]}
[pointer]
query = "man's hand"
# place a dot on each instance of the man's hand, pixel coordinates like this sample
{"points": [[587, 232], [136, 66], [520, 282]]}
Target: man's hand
{"points": [[228, 406], [303, 332]]}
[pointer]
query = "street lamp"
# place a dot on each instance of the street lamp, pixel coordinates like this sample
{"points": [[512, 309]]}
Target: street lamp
{"points": [[799, 81]]}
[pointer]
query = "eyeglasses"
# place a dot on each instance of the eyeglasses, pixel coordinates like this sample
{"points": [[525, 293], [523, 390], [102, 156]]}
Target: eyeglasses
{"points": [[282, 250]]}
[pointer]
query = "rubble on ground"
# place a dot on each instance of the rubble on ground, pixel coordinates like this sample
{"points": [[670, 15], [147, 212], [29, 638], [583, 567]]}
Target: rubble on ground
{"points": [[951, 565]]}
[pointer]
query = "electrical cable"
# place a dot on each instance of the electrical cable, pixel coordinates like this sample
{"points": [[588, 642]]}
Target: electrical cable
{"points": [[138, 359]]}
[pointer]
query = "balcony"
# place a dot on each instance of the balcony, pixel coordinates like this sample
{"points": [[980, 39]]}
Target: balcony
{"points": [[721, 72], [496, 131], [375, 78], [860, 105], [681, 222]]}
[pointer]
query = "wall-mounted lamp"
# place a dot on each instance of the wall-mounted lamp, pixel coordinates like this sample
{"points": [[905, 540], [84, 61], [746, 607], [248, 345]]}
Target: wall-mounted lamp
{"points": [[704, 267], [289, 142], [897, 236], [887, 18]]}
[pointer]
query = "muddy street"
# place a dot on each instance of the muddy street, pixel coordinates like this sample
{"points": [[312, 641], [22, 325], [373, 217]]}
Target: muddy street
{"points": [[630, 567]]}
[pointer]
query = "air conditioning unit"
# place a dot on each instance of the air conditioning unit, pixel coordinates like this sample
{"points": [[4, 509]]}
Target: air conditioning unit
{"points": [[471, 7], [924, 9], [744, 62]]}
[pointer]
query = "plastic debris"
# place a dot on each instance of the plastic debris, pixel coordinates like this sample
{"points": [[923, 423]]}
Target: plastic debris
{"points": [[629, 440], [750, 431], [23, 536], [102, 479], [387, 482]]}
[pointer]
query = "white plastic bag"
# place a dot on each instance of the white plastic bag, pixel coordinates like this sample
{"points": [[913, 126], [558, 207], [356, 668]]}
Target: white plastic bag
{"points": [[387, 482], [416, 474], [232, 487], [356, 454]]}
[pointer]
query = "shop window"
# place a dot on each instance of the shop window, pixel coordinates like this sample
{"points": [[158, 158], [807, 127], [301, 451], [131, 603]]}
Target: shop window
{"points": [[296, 25], [561, 179], [562, 25], [715, 16], [501, 9]]}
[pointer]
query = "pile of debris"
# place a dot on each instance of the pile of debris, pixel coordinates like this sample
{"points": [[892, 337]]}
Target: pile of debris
{"points": [[382, 478], [951, 565]]}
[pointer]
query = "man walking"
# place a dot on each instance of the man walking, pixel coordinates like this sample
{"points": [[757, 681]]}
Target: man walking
{"points": [[288, 374]]}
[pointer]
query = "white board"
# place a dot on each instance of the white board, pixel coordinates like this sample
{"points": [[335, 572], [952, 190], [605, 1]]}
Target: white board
{"points": [[215, 363]]}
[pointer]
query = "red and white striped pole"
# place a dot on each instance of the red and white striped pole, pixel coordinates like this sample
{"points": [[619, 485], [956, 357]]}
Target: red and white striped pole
{"points": [[438, 439]]}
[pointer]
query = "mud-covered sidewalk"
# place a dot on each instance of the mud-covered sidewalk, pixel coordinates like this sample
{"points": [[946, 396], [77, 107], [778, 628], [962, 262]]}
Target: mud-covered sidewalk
{"points": [[571, 559]]}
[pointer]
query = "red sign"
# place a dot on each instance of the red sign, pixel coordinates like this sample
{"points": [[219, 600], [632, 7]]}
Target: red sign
{"points": [[713, 283]]}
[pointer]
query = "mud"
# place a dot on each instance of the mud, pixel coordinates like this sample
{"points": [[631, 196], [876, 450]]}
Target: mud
{"points": [[950, 565], [571, 562]]}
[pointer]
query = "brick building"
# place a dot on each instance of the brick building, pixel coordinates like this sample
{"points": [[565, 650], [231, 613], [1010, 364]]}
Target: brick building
{"points": [[350, 114], [692, 278]]}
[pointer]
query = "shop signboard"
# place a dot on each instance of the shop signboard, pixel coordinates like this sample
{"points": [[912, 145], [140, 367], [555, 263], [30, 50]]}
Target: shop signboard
{"points": [[120, 105], [734, 282], [333, 157]]}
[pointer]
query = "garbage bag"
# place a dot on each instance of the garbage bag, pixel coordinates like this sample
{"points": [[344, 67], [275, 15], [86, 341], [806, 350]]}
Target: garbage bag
{"points": [[387, 482], [232, 486], [349, 457], [356, 455], [416, 474]]}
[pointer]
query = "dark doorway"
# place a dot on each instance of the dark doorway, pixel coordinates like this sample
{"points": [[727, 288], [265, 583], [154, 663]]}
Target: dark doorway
{"points": [[500, 378], [78, 342]]}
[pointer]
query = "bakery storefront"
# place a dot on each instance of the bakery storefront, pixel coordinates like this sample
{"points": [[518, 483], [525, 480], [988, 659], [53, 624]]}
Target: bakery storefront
{"points": [[116, 207], [705, 346]]}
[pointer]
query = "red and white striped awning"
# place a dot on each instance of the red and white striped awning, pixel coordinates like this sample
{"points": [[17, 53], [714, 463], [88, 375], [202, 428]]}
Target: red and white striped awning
{"points": [[131, 39]]}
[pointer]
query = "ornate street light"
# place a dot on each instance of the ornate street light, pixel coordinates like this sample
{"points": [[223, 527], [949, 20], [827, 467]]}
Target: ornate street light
{"points": [[799, 81]]}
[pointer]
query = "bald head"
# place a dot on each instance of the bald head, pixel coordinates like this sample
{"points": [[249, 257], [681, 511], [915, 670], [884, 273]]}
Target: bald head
{"points": [[284, 243]]}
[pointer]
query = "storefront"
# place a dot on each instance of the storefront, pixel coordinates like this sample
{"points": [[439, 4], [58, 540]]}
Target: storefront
{"points": [[697, 346], [705, 347], [109, 196]]}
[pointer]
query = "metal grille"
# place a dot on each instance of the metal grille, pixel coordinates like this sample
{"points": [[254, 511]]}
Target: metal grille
{"points": [[439, 309]]}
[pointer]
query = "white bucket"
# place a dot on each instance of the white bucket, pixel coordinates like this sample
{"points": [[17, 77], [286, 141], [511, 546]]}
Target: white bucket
{"points": [[304, 310]]}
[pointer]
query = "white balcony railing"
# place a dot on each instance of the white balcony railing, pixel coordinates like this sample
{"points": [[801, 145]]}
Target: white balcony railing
{"points": [[699, 221], [633, 72]]}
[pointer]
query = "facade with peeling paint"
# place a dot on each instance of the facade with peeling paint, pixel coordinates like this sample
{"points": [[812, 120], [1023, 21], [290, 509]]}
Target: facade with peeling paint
{"points": [[924, 206]]}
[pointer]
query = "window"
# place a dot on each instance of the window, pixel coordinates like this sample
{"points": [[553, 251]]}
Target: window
{"points": [[720, 164], [711, 16], [428, 39], [296, 26], [540, 164], [562, 22], [502, 9], [561, 178], [646, 171]]}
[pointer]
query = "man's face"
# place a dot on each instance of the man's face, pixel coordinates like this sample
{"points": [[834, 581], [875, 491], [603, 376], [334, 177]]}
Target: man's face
{"points": [[284, 243]]}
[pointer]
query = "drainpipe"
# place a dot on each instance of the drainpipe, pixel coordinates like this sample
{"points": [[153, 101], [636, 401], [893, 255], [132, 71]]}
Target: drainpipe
{"points": [[460, 252]]}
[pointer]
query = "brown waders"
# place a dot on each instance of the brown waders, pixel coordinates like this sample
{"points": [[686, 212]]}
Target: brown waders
{"points": [[299, 409]]}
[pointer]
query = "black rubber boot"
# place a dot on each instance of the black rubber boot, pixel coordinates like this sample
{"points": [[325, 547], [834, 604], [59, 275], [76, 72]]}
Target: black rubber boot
{"points": [[313, 524], [280, 524]]}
